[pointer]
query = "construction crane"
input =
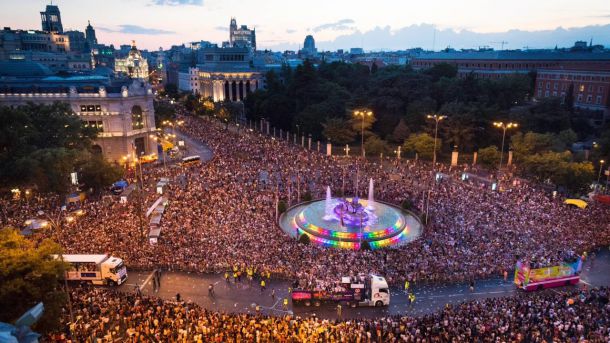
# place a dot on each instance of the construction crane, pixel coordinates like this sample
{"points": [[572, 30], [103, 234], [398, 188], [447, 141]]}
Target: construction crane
{"points": [[502, 43]]}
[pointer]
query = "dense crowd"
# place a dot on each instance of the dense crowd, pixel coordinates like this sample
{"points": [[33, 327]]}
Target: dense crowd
{"points": [[104, 315], [221, 216]]}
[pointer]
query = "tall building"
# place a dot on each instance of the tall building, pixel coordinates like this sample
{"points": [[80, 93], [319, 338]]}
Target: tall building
{"points": [[90, 35], [241, 36], [78, 43], [133, 65], [309, 47], [51, 19], [21, 40]]}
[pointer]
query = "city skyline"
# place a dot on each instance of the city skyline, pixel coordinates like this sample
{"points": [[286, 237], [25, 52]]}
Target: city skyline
{"points": [[386, 26]]}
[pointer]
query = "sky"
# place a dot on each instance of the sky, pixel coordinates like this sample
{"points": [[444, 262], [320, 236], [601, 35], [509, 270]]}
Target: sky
{"points": [[372, 25]]}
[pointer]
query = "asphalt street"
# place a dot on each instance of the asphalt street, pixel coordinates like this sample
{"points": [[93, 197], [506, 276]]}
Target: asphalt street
{"points": [[243, 297]]}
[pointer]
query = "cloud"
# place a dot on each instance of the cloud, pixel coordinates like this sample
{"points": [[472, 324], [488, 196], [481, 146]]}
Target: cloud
{"points": [[428, 36], [136, 30], [343, 24], [177, 2], [222, 28], [289, 31]]}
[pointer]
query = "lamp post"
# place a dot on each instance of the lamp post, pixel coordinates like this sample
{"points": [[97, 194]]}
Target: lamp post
{"points": [[363, 114], [437, 118], [504, 127], [599, 175], [397, 152]]}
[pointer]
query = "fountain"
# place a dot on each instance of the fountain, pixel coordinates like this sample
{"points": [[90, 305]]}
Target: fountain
{"points": [[350, 221], [328, 206], [371, 202]]}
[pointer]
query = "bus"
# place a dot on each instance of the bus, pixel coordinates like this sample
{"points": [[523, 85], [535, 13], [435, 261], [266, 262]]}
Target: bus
{"points": [[101, 269], [530, 279], [190, 160], [371, 290]]}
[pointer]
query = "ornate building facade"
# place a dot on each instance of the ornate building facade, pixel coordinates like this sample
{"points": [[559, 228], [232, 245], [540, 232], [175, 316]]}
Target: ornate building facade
{"points": [[226, 74], [132, 65], [122, 113]]}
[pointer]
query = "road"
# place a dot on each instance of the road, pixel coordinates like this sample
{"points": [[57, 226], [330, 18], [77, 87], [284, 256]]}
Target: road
{"points": [[242, 297], [194, 147]]}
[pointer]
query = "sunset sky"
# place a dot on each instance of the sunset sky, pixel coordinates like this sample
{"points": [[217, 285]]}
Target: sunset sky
{"points": [[334, 23]]}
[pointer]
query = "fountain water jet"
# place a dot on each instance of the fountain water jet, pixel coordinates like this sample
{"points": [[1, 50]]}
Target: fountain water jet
{"points": [[328, 206], [371, 201]]}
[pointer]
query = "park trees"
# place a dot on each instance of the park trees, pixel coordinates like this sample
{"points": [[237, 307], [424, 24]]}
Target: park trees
{"points": [[338, 130], [40, 145], [489, 157], [28, 275], [420, 143]]}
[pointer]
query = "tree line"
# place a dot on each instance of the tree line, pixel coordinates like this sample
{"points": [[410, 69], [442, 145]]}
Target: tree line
{"points": [[321, 100]]}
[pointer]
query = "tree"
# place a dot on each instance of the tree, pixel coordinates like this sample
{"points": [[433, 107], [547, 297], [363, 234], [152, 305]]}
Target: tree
{"points": [[229, 112], [441, 70], [557, 168], [489, 157], [96, 173], [401, 132], [191, 102], [422, 144], [163, 111], [338, 130], [530, 143], [374, 146], [171, 90], [28, 275], [549, 115], [40, 145], [458, 130], [359, 125]]}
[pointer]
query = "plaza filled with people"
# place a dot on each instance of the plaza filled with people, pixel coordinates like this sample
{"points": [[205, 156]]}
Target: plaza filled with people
{"points": [[222, 218], [105, 315], [222, 215]]}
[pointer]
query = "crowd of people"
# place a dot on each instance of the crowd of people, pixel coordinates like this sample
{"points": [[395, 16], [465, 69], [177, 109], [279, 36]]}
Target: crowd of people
{"points": [[105, 315], [222, 214], [222, 218]]}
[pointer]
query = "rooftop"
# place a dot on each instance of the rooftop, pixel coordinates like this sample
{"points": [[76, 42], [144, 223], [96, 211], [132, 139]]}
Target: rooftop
{"points": [[517, 55], [23, 68]]}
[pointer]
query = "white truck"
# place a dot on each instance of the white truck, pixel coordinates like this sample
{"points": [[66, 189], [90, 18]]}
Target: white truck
{"points": [[101, 269], [370, 290]]}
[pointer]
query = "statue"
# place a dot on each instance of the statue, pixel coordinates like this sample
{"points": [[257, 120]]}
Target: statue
{"points": [[21, 332]]}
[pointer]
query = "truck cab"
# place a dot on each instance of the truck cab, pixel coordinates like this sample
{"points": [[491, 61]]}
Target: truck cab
{"points": [[100, 269], [379, 292]]}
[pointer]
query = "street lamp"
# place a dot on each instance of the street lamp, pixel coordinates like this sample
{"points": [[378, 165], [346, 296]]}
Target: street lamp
{"points": [[437, 118], [363, 114], [397, 152], [504, 127], [599, 175]]}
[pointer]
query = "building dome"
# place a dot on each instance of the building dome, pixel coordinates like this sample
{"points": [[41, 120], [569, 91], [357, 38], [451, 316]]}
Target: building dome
{"points": [[23, 68]]}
